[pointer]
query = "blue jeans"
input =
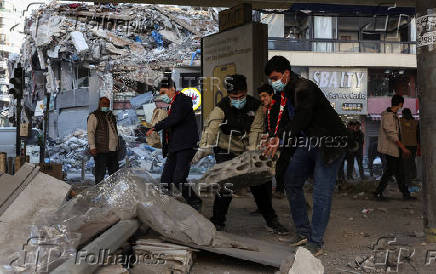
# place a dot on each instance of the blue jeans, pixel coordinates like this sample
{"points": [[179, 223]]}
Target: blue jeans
{"points": [[304, 163]]}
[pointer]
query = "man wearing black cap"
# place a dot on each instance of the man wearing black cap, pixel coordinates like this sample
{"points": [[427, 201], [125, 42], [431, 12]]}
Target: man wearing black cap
{"points": [[180, 140], [237, 123]]}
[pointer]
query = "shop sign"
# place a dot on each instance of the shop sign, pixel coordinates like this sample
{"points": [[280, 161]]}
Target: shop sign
{"points": [[345, 88]]}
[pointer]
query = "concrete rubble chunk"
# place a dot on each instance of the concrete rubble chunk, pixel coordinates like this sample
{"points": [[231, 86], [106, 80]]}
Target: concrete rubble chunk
{"points": [[112, 269], [306, 263], [42, 196], [249, 169], [79, 42], [176, 220], [169, 258], [110, 240]]}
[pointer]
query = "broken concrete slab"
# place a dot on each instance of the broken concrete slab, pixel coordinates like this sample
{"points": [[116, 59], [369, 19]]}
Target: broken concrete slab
{"points": [[245, 248], [169, 258], [79, 42], [110, 240], [175, 220], [41, 196], [11, 186], [112, 269], [305, 262], [249, 169]]}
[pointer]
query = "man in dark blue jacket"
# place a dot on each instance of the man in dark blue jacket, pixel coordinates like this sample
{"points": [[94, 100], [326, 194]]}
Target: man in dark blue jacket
{"points": [[180, 138]]}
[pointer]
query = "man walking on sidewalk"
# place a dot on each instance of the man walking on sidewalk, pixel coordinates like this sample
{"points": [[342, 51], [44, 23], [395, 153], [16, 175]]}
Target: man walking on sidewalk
{"points": [[389, 145]]}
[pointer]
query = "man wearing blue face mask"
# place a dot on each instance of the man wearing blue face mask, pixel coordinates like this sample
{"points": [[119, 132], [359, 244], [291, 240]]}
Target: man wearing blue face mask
{"points": [[103, 139], [237, 122], [322, 140], [180, 138]]}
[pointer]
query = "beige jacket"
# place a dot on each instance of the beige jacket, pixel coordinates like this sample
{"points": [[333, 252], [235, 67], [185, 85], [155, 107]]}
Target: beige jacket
{"points": [[158, 115], [113, 136], [389, 134], [212, 135]]}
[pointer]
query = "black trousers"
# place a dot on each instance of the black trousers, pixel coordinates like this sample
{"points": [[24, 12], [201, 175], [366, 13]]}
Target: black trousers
{"points": [[262, 196], [281, 167], [350, 164], [105, 161], [393, 168], [409, 165], [175, 172]]}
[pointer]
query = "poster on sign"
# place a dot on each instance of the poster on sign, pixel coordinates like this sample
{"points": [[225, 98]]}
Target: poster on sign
{"points": [[195, 95], [39, 110]]}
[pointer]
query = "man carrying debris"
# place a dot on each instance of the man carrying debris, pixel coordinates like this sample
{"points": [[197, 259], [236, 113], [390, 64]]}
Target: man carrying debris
{"points": [[103, 139], [237, 123], [276, 115], [180, 140], [321, 143]]}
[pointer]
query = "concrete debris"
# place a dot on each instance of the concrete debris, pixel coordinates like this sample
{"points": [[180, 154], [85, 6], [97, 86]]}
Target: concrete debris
{"points": [[38, 198], [170, 258], [249, 169], [112, 269], [175, 220], [79, 42], [110, 240], [306, 263]]}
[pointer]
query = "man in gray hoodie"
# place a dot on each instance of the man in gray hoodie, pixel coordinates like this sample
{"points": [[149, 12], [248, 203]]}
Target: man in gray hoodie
{"points": [[389, 145]]}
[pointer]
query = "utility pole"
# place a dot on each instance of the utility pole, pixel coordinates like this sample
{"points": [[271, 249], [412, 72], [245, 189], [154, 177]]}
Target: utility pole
{"points": [[45, 128], [426, 57]]}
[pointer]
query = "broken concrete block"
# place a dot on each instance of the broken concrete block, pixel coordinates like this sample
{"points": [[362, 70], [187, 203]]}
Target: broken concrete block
{"points": [[306, 263], [112, 269], [40, 197], [249, 169], [79, 42], [114, 50], [110, 240], [175, 220], [167, 258]]}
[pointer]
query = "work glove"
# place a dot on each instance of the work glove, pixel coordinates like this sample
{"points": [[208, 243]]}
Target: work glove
{"points": [[200, 154]]}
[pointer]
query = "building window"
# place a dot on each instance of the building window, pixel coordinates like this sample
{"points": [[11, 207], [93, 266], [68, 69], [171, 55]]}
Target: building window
{"points": [[387, 82], [81, 76]]}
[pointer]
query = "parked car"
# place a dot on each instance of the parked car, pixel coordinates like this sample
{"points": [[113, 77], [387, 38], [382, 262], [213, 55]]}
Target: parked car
{"points": [[8, 139]]}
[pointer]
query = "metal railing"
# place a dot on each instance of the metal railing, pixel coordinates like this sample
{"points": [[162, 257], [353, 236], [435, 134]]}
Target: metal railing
{"points": [[346, 46]]}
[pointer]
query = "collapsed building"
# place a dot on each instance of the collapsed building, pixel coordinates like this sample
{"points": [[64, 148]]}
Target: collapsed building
{"points": [[77, 53]]}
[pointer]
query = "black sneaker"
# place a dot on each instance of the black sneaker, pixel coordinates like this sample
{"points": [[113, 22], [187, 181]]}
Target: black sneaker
{"points": [[315, 249], [380, 197], [298, 240], [275, 227]]}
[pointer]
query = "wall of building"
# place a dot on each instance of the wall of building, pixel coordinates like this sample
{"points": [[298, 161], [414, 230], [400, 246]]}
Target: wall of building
{"points": [[316, 59]]}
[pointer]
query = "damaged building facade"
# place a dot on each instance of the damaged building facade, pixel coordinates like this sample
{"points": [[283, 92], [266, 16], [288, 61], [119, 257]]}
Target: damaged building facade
{"points": [[76, 53]]}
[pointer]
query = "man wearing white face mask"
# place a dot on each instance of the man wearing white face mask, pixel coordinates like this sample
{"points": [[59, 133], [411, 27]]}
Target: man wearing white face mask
{"points": [[237, 123], [103, 139]]}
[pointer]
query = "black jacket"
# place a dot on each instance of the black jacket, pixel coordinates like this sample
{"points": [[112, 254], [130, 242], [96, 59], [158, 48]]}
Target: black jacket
{"points": [[315, 117], [180, 125], [274, 114]]}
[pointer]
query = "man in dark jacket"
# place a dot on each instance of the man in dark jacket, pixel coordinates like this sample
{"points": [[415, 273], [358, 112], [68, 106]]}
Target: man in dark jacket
{"points": [[180, 141], [276, 116], [237, 124], [103, 139], [320, 138]]}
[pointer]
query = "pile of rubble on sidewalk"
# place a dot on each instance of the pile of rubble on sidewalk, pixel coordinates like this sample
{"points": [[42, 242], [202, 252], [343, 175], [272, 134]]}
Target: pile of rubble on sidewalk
{"points": [[125, 224], [73, 149]]}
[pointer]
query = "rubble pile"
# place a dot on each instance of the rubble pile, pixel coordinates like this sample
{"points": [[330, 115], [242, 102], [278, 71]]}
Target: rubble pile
{"points": [[121, 216], [124, 43]]}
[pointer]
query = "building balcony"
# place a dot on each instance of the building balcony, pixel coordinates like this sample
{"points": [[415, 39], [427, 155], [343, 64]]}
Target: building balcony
{"points": [[341, 46]]}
